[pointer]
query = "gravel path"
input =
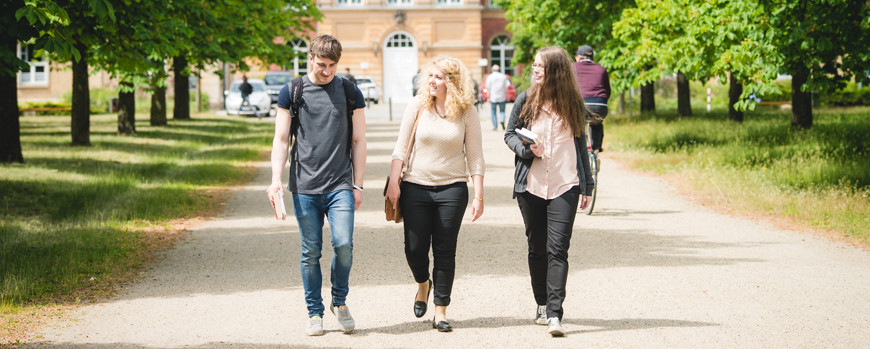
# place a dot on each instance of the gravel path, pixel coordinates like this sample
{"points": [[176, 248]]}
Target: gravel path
{"points": [[648, 270]]}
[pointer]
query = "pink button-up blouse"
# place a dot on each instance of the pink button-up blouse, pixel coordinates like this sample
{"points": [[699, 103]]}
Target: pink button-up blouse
{"points": [[555, 172]]}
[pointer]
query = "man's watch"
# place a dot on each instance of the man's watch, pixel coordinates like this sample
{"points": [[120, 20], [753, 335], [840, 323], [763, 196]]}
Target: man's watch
{"points": [[357, 187]]}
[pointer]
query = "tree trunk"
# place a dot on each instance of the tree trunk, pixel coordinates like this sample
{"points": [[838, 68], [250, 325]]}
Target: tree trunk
{"points": [[158, 106], [182, 89], [10, 129], [801, 102], [198, 95], [127, 109], [621, 107], [647, 98], [735, 89], [80, 124], [684, 102]]}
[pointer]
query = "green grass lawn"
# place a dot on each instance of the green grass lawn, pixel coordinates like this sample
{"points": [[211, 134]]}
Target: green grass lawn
{"points": [[817, 178], [76, 219]]}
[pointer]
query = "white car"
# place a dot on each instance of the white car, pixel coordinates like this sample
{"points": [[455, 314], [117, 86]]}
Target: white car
{"points": [[369, 88], [258, 104]]}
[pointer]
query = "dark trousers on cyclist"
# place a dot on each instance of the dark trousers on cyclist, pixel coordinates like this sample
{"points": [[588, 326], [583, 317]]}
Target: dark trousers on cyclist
{"points": [[598, 106]]}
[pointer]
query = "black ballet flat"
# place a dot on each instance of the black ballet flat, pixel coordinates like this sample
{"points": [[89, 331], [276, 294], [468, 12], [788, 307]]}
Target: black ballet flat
{"points": [[442, 326], [420, 307]]}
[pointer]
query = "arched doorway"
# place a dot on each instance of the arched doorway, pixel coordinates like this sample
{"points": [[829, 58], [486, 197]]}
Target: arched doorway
{"points": [[400, 65], [501, 52], [298, 65]]}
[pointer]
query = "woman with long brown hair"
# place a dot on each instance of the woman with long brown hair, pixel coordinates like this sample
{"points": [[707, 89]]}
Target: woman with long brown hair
{"points": [[552, 175], [447, 149]]}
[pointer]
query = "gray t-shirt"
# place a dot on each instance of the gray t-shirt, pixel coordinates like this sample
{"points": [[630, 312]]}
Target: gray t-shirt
{"points": [[319, 163]]}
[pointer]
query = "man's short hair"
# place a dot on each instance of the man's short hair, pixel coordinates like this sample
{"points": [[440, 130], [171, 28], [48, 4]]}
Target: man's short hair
{"points": [[585, 51], [495, 67], [325, 46]]}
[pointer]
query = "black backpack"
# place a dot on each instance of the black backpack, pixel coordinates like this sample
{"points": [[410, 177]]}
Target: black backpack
{"points": [[295, 88]]}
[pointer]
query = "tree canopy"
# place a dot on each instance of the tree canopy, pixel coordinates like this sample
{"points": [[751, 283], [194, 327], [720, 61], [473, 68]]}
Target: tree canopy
{"points": [[820, 43], [133, 39]]}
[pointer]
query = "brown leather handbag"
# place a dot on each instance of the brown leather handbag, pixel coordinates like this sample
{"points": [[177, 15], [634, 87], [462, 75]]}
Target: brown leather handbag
{"points": [[395, 214]]}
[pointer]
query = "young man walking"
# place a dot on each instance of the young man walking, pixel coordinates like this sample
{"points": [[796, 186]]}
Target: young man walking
{"points": [[326, 173]]}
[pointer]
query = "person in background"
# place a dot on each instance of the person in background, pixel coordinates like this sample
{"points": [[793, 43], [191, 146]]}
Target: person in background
{"points": [[349, 76], [246, 89], [595, 90], [433, 194], [496, 86], [551, 176], [414, 83], [326, 176]]}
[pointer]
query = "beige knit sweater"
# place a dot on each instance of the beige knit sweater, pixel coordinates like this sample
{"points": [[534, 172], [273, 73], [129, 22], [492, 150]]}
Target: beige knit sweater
{"points": [[446, 150]]}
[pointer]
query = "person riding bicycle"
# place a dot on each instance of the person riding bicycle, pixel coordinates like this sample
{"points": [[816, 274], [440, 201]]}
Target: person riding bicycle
{"points": [[595, 90]]}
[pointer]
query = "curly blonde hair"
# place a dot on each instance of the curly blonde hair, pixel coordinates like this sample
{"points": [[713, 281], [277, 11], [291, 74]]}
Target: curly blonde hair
{"points": [[460, 88]]}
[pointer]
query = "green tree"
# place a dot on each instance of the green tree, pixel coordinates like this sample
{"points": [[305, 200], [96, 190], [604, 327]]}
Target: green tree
{"points": [[48, 25], [633, 56], [822, 44], [565, 23], [15, 30], [71, 40], [233, 33], [697, 39]]}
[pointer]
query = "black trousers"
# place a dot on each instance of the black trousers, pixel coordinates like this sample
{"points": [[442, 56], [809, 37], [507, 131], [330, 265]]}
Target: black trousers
{"points": [[596, 131], [433, 215], [549, 224]]}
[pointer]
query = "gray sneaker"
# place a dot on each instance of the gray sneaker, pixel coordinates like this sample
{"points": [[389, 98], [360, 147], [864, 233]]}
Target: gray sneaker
{"points": [[541, 315], [344, 319], [554, 327], [315, 326]]}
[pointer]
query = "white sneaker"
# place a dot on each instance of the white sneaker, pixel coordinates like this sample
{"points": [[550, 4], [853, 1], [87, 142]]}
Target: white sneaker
{"points": [[315, 326], [344, 319], [541, 315], [555, 328]]}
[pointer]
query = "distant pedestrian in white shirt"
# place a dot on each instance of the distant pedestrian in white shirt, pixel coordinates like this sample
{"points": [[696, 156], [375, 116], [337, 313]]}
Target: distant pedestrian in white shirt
{"points": [[496, 88]]}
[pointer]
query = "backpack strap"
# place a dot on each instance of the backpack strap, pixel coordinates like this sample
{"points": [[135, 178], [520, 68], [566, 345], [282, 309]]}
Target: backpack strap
{"points": [[349, 94], [295, 89]]}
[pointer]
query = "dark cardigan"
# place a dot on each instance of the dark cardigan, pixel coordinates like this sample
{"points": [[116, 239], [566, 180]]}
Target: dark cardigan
{"points": [[525, 156]]}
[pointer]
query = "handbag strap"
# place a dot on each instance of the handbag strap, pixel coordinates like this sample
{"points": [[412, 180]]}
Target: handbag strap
{"points": [[411, 141]]}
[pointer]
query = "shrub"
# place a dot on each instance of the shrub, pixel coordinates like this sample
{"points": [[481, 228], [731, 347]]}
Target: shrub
{"points": [[850, 95]]}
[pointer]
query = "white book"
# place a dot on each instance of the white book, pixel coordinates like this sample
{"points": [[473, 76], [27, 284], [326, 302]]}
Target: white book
{"points": [[527, 136], [280, 209]]}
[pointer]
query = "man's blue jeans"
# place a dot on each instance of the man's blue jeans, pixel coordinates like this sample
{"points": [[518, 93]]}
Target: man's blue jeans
{"points": [[310, 210], [500, 119]]}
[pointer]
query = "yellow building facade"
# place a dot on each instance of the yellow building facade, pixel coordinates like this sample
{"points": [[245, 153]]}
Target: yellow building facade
{"points": [[389, 40]]}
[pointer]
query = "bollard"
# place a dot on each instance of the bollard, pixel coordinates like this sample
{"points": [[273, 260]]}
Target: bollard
{"points": [[709, 98], [390, 101]]}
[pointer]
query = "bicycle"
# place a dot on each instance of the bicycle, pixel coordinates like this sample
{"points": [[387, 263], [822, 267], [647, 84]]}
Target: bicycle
{"points": [[594, 163]]}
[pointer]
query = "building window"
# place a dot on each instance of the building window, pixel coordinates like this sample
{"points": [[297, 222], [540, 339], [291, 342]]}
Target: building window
{"points": [[399, 2], [449, 2], [300, 62], [501, 52], [349, 2], [400, 40], [37, 75]]}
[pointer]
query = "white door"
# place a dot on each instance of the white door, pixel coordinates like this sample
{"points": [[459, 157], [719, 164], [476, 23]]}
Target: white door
{"points": [[400, 65]]}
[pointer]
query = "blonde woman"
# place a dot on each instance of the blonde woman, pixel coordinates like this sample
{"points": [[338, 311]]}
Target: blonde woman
{"points": [[551, 177], [433, 194]]}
